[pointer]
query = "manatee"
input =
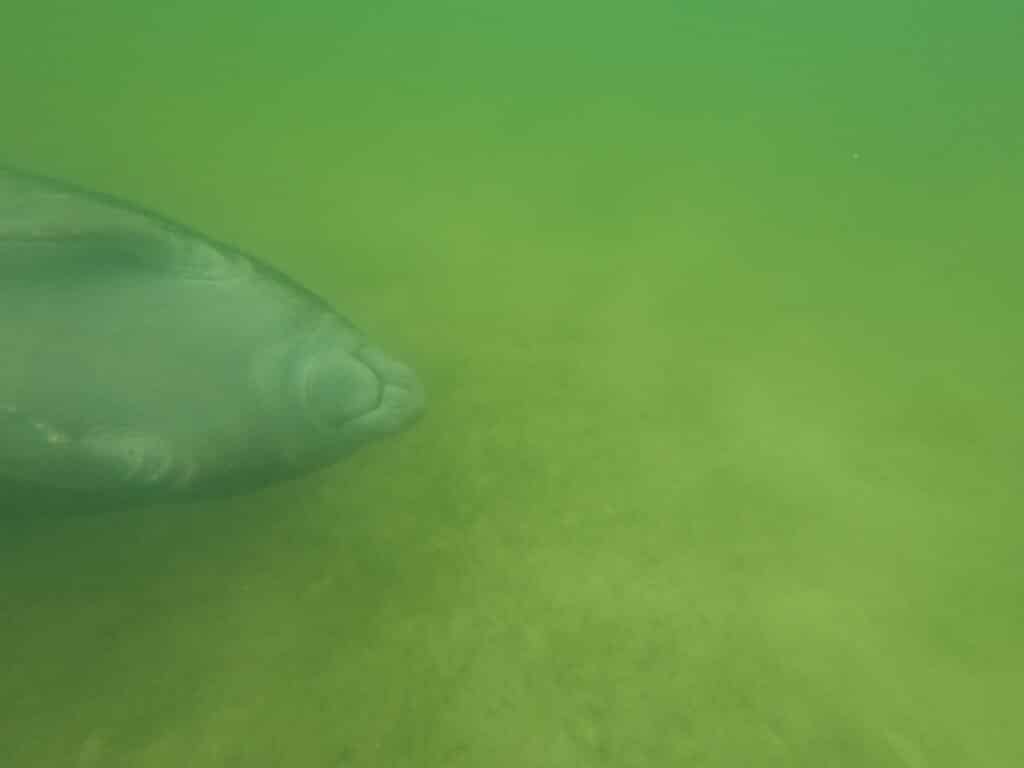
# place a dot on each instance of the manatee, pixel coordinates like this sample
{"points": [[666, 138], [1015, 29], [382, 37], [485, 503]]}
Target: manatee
{"points": [[142, 359]]}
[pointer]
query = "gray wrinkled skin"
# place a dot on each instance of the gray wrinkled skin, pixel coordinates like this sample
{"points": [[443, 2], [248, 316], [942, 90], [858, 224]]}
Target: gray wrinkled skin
{"points": [[140, 358]]}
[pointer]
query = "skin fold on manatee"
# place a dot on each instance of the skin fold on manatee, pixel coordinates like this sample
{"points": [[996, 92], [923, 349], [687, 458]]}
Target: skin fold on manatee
{"points": [[138, 357]]}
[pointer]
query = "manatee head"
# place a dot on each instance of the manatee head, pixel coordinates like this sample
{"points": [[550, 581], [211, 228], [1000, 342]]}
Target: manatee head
{"points": [[336, 391]]}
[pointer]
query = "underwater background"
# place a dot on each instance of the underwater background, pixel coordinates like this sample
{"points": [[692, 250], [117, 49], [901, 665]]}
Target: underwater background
{"points": [[718, 307]]}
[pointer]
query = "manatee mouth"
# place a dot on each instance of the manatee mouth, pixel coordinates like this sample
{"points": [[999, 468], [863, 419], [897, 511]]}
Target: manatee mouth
{"points": [[361, 393], [401, 398]]}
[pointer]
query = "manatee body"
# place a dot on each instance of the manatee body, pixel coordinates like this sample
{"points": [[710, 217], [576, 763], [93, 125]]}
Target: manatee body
{"points": [[140, 358]]}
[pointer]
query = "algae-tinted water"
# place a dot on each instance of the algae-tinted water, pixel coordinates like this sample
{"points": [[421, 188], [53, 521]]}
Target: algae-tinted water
{"points": [[717, 307]]}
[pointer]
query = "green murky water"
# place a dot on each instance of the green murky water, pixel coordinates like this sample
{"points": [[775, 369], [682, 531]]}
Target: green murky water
{"points": [[718, 309]]}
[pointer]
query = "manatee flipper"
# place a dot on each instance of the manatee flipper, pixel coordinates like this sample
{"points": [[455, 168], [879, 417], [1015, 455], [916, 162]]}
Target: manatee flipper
{"points": [[35, 451]]}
